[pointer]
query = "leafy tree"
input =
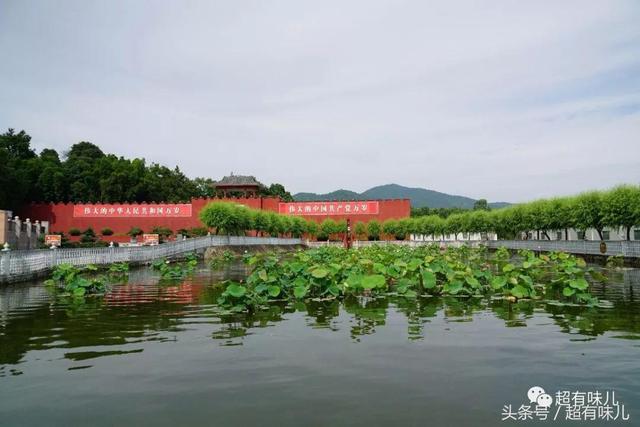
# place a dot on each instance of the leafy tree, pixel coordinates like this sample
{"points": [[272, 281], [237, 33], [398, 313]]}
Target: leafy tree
{"points": [[225, 217], [374, 229], [204, 187], [481, 204], [621, 207], [260, 221], [360, 230], [327, 228], [588, 212], [312, 228], [278, 190], [298, 226], [455, 224]]}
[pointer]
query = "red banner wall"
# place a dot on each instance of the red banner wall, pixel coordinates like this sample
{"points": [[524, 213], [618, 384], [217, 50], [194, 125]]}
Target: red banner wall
{"points": [[133, 211], [364, 207], [63, 217]]}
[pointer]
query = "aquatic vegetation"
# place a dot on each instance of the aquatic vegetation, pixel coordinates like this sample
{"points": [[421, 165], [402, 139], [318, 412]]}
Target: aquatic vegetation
{"points": [[176, 271], [73, 281], [118, 270], [330, 272], [225, 258], [616, 261]]}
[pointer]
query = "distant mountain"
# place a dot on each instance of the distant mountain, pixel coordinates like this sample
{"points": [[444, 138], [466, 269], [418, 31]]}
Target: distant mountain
{"points": [[420, 197], [334, 195]]}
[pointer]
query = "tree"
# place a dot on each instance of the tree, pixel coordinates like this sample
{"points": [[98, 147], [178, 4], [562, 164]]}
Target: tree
{"points": [[298, 226], [395, 228], [204, 187], [481, 205], [479, 222], [327, 228], [588, 212], [373, 230], [278, 190], [360, 230], [224, 217], [17, 144], [260, 221], [312, 228], [18, 164], [621, 207], [456, 224]]}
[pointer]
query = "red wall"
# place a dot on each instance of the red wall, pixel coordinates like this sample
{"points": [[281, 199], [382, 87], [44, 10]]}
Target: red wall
{"points": [[61, 219]]}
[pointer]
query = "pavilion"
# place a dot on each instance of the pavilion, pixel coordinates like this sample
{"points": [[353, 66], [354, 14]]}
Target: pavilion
{"points": [[234, 185]]}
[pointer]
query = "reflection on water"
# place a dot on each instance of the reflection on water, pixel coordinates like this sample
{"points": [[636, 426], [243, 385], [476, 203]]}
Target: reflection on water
{"points": [[158, 325], [145, 310]]}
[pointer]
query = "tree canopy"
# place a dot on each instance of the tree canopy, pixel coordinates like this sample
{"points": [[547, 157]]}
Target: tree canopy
{"points": [[87, 174]]}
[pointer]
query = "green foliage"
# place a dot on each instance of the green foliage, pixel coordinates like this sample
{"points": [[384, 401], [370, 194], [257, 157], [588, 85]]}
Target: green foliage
{"points": [[312, 228], [193, 232], [360, 230], [119, 269], [440, 212], [619, 207], [162, 232], [331, 272], [88, 236], [277, 190], [616, 261], [106, 231], [135, 232], [226, 258], [481, 205], [176, 271], [86, 175], [76, 282], [374, 229], [327, 228], [74, 232], [226, 218]]}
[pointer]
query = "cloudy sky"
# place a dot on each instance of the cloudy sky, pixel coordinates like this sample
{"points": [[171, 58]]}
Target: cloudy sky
{"points": [[507, 100]]}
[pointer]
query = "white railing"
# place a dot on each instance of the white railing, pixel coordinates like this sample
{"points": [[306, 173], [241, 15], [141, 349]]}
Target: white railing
{"points": [[410, 243], [21, 265], [626, 248]]}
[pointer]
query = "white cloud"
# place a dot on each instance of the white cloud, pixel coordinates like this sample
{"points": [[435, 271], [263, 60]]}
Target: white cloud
{"points": [[505, 100]]}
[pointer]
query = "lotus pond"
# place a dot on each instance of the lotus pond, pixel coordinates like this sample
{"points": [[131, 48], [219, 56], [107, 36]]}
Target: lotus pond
{"points": [[373, 337]]}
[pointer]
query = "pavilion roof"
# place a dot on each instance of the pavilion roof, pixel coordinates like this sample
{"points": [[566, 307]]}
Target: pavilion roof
{"points": [[238, 180]]}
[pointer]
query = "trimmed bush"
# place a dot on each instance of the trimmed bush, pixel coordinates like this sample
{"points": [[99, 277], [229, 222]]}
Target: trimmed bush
{"points": [[135, 232]]}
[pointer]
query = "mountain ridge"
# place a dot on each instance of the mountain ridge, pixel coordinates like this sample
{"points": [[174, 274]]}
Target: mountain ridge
{"points": [[420, 197]]}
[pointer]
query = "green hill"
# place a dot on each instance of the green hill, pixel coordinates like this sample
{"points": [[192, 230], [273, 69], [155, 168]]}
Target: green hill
{"points": [[420, 197]]}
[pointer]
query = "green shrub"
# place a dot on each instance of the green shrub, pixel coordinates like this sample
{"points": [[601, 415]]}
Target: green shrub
{"points": [[198, 231], [106, 231], [373, 230], [88, 236], [163, 232], [135, 232], [74, 232]]}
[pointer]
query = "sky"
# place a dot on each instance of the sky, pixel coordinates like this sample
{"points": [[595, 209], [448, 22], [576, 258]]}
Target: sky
{"points": [[504, 100]]}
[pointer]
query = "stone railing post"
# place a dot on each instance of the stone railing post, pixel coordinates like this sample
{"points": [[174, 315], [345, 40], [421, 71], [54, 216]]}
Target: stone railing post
{"points": [[17, 224], [5, 266]]}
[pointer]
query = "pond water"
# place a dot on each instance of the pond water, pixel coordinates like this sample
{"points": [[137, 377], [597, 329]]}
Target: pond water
{"points": [[156, 354]]}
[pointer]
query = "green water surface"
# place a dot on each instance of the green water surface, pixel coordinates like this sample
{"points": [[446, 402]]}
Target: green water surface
{"points": [[164, 355]]}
